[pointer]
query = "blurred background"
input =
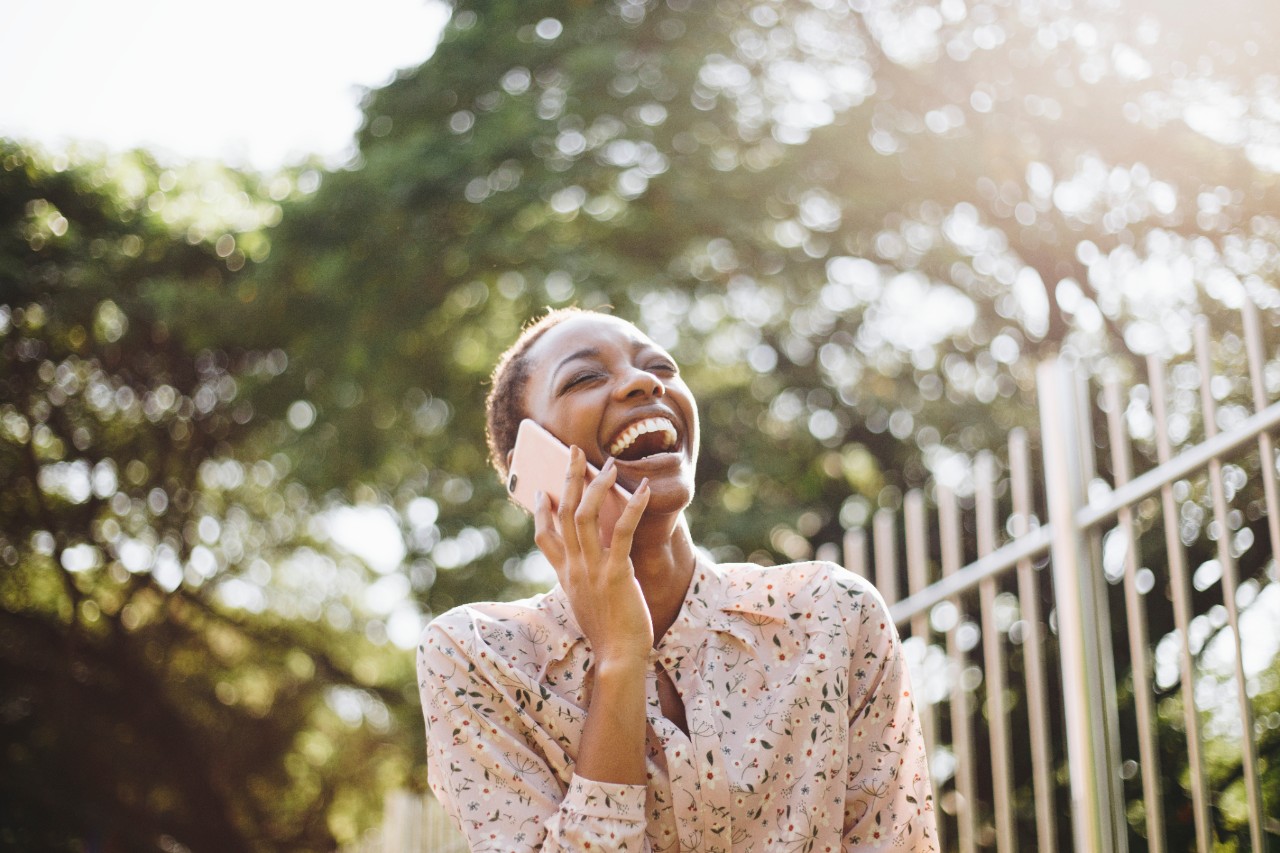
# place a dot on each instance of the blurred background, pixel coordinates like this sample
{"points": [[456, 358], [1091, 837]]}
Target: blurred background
{"points": [[248, 312]]}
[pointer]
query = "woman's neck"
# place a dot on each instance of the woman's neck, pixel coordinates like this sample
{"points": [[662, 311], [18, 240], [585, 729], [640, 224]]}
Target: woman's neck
{"points": [[664, 568]]}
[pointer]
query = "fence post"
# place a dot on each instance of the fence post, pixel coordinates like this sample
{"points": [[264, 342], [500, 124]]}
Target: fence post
{"points": [[402, 823], [1084, 625]]}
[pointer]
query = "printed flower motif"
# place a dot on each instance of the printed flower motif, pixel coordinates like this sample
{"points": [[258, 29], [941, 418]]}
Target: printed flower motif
{"points": [[755, 653]]}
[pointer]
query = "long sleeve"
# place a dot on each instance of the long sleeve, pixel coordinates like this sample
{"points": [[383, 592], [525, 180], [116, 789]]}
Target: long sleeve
{"points": [[889, 804], [801, 731], [499, 756]]}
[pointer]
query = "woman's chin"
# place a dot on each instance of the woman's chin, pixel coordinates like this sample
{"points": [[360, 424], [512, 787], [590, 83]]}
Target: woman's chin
{"points": [[670, 477], [669, 496]]}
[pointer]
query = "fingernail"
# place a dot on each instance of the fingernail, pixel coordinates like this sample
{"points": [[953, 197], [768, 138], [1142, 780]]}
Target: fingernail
{"points": [[538, 497], [608, 463], [644, 484]]}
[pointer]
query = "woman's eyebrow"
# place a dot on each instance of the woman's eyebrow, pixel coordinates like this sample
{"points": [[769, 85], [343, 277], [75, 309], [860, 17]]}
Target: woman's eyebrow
{"points": [[652, 348], [585, 352]]}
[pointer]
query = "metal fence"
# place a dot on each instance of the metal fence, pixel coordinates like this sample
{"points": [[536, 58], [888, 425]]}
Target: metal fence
{"points": [[411, 823], [1046, 738], [1082, 762]]}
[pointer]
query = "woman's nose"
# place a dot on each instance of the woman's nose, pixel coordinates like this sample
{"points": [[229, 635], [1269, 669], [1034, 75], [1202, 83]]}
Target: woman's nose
{"points": [[639, 382]]}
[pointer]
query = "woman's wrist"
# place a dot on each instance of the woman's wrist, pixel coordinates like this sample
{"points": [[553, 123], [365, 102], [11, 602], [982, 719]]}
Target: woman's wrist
{"points": [[620, 667]]}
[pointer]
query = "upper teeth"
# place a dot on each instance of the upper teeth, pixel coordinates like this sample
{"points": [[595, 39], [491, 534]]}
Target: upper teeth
{"points": [[639, 428]]}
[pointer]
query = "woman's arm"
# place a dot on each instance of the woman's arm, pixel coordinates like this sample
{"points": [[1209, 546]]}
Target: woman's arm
{"points": [[612, 747], [490, 732]]}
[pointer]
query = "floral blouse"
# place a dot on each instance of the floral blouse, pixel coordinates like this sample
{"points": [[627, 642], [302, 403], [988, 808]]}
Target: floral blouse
{"points": [[802, 731]]}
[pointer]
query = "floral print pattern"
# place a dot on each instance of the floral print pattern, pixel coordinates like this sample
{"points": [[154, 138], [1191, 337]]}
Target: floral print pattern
{"points": [[802, 732]]}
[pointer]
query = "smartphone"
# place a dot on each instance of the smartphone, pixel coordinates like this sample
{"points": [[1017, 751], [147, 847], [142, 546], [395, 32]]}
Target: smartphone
{"points": [[538, 464]]}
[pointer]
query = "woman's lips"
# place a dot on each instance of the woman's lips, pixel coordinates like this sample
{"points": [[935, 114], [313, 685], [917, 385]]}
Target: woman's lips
{"points": [[632, 471], [657, 432]]}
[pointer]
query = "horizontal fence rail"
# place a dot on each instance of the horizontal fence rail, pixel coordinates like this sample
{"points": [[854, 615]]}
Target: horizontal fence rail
{"points": [[1089, 562], [1036, 542]]}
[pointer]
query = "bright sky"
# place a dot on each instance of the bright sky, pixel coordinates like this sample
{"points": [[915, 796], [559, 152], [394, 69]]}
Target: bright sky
{"points": [[257, 83]]}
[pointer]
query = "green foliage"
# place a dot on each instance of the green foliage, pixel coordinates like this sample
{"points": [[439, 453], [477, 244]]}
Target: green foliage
{"points": [[857, 225], [151, 690]]}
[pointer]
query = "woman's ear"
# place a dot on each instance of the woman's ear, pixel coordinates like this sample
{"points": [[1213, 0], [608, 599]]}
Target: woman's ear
{"points": [[510, 455]]}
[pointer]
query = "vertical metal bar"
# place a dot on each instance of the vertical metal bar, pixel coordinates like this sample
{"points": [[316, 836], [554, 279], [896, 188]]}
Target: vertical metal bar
{"points": [[855, 551], [886, 555], [1136, 617], [1181, 590], [961, 739], [827, 552], [1266, 447], [1033, 650], [1230, 585], [993, 660], [1083, 633], [917, 579], [402, 815], [917, 533], [1102, 606]]}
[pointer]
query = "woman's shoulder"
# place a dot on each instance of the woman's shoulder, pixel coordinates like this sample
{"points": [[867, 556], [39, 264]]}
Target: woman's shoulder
{"points": [[808, 589], [825, 586], [543, 616], [807, 577]]}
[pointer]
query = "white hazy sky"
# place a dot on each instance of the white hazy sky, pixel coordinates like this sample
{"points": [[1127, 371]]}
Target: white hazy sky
{"points": [[257, 83]]}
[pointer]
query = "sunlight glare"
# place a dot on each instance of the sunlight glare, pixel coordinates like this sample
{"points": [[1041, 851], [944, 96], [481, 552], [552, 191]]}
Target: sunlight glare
{"points": [[369, 532], [256, 84]]}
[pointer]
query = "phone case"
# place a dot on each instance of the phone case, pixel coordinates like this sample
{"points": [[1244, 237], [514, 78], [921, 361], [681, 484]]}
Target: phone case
{"points": [[538, 463]]}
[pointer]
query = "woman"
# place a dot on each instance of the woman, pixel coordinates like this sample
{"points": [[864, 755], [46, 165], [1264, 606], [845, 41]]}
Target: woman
{"points": [[772, 713]]}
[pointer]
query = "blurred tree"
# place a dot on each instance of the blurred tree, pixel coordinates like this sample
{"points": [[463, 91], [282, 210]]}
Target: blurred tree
{"points": [[858, 225], [847, 220], [163, 677]]}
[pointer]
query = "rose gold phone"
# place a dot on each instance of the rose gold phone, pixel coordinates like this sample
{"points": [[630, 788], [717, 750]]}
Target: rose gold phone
{"points": [[538, 463]]}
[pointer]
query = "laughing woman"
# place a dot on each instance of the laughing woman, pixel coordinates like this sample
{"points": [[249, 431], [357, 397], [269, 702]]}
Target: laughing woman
{"points": [[655, 700]]}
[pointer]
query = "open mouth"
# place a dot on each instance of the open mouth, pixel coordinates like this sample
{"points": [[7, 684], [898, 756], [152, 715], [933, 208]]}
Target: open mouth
{"points": [[645, 438]]}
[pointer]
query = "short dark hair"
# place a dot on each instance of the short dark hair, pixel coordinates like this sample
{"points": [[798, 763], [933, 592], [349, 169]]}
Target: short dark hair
{"points": [[504, 407]]}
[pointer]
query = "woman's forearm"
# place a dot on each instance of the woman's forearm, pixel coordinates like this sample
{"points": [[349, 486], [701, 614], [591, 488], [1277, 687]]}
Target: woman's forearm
{"points": [[613, 735]]}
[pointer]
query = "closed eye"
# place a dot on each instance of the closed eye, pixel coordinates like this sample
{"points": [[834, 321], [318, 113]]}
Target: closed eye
{"points": [[578, 379]]}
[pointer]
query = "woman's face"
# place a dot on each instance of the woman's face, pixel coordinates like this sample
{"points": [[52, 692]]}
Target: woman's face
{"points": [[600, 383]]}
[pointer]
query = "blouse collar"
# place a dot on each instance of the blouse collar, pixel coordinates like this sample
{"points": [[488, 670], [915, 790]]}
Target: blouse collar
{"points": [[737, 603]]}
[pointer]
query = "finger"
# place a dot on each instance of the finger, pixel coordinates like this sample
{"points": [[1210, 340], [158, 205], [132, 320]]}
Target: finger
{"points": [[587, 518], [546, 533], [574, 474], [624, 531]]}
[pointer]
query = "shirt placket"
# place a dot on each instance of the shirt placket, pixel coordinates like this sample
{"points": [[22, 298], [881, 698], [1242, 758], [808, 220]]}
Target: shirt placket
{"points": [[703, 822]]}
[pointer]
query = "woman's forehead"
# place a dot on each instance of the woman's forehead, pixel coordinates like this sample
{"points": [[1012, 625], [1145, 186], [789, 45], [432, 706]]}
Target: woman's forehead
{"points": [[592, 330]]}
